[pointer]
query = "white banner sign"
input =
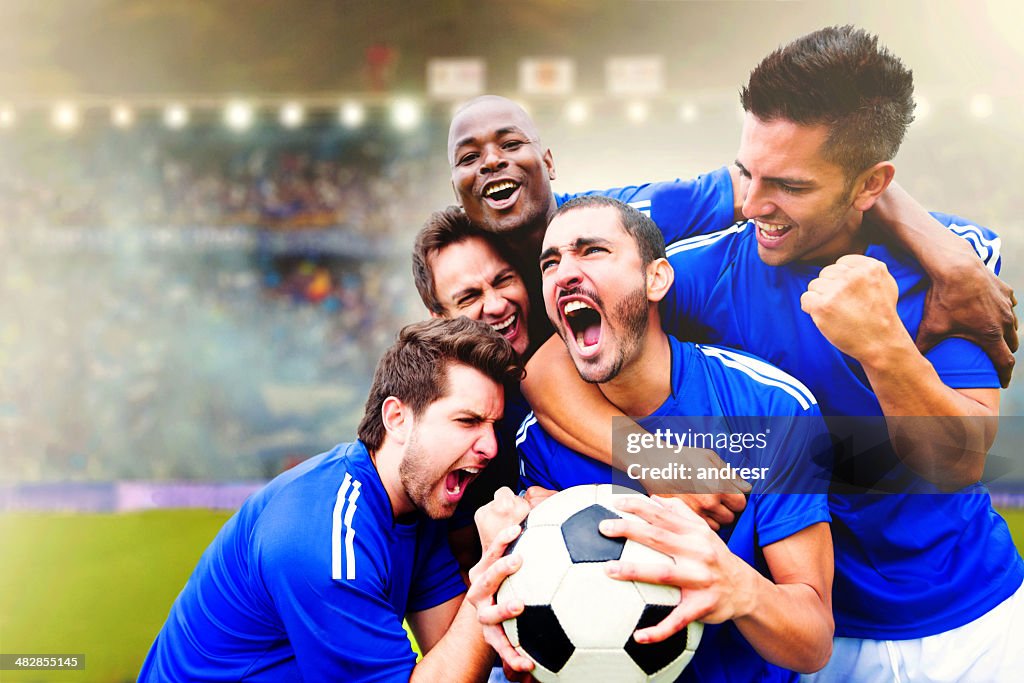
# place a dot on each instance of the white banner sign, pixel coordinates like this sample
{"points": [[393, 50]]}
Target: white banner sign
{"points": [[644, 75], [464, 77], [547, 76]]}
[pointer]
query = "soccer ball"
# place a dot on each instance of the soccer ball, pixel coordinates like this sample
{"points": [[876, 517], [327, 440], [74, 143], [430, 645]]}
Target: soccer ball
{"points": [[578, 622]]}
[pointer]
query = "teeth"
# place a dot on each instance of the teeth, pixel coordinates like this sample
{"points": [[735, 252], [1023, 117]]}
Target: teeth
{"points": [[471, 470], [504, 324], [574, 306], [769, 228], [498, 187]]}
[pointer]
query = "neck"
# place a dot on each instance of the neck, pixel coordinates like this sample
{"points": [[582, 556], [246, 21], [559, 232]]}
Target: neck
{"points": [[646, 382], [853, 239], [525, 242], [387, 460]]}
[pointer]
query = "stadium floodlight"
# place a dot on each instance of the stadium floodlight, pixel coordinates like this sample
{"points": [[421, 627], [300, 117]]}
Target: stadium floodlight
{"points": [[352, 114], [405, 114], [292, 115], [689, 113], [238, 115], [577, 112], [981, 106], [637, 112], [122, 116], [65, 117], [176, 116], [7, 117]]}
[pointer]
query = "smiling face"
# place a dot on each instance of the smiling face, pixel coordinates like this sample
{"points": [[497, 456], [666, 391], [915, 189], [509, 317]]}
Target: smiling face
{"points": [[501, 174], [472, 279], [595, 290], [801, 204], [451, 441]]}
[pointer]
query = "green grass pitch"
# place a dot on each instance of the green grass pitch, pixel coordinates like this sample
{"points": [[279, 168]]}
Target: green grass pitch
{"points": [[102, 584]]}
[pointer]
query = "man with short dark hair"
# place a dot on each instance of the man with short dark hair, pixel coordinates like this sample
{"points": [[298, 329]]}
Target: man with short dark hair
{"points": [[459, 270], [928, 583], [502, 173], [312, 578], [764, 587]]}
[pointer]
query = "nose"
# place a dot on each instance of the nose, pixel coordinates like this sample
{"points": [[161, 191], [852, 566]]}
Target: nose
{"points": [[568, 273], [755, 203], [487, 444], [494, 303], [493, 160]]}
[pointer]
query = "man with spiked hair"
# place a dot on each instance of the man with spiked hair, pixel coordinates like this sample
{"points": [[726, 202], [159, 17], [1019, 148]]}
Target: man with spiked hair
{"points": [[928, 581]]}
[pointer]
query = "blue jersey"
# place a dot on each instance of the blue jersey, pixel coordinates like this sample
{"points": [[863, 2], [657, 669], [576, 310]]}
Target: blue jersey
{"points": [[713, 385], [907, 566], [310, 580], [681, 208]]}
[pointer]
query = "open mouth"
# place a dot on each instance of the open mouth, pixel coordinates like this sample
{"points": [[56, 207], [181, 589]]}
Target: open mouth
{"points": [[501, 192], [507, 327], [584, 322], [771, 232], [457, 480]]}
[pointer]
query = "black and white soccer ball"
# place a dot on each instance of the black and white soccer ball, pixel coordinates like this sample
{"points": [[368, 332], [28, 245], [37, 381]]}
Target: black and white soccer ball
{"points": [[578, 622]]}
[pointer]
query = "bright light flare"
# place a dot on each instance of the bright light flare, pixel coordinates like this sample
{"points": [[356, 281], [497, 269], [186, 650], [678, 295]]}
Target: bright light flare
{"points": [[981, 106], [352, 114], [689, 113], [176, 116], [405, 114], [637, 112], [65, 117], [292, 115], [239, 116], [7, 117], [577, 112], [122, 116]]}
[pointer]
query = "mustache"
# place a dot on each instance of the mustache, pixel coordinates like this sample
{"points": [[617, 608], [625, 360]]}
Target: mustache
{"points": [[579, 291]]}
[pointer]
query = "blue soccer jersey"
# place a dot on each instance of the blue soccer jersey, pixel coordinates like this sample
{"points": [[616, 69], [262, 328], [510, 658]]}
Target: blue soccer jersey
{"points": [[310, 580], [713, 385], [908, 564]]}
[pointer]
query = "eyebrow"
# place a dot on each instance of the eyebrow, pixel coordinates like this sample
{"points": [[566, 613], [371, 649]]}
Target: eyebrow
{"points": [[506, 130], [507, 270], [577, 245], [779, 180], [466, 412]]}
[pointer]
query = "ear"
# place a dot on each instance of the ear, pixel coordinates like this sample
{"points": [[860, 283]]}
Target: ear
{"points": [[870, 185], [397, 419], [660, 276], [436, 315], [549, 164]]}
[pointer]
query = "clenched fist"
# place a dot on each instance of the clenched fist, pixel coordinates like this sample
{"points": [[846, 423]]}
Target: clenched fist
{"points": [[853, 303]]}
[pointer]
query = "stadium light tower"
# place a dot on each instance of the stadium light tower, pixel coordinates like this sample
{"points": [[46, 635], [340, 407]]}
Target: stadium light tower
{"points": [[292, 115], [352, 114], [122, 116], [405, 114], [7, 117], [176, 116], [239, 115]]}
